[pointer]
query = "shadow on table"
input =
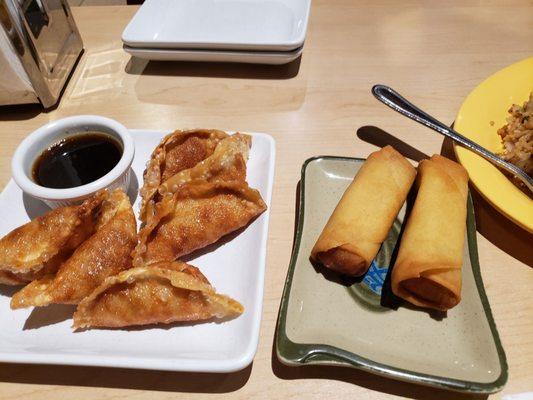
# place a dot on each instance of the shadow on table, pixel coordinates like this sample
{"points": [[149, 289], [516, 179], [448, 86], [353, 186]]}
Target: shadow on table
{"points": [[366, 380], [137, 66], [21, 112], [184, 85], [121, 378], [381, 138]]}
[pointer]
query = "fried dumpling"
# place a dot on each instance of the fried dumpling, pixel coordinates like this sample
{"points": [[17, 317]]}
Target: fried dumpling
{"points": [[227, 163], [177, 151], [41, 245], [105, 253], [162, 293], [199, 214]]}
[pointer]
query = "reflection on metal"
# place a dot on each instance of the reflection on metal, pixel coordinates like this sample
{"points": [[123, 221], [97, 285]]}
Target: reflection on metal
{"points": [[46, 40]]}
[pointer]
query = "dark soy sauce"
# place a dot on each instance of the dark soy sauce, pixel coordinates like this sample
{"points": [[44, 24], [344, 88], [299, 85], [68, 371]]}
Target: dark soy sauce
{"points": [[77, 160]]}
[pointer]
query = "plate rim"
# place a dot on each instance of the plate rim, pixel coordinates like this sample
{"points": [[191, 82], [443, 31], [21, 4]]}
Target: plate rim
{"points": [[208, 52], [297, 354], [193, 365], [458, 150], [230, 56]]}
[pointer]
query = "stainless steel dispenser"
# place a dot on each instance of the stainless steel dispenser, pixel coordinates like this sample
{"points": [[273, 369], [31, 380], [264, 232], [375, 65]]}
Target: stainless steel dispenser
{"points": [[39, 40]]}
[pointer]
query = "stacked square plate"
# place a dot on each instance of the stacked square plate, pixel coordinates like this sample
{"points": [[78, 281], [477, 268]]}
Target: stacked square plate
{"points": [[248, 31]]}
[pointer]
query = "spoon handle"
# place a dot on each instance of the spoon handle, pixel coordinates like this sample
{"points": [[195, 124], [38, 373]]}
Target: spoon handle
{"points": [[395, 101]]}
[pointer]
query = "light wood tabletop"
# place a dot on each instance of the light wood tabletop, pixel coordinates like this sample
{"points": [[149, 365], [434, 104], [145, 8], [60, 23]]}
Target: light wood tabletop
{"points": [[434, 53]]}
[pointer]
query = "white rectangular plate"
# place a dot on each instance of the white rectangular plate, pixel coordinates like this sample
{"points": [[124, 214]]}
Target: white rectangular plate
{"points": [[219, 24], [235, 268], [247, 57]]}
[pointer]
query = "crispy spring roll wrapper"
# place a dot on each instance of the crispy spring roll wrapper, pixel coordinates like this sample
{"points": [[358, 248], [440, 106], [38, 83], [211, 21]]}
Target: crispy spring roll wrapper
{"points": [[360, 222], [177, 151], [199, 214], [427, 272], [105, 253], [40, 246], [161, 293]]}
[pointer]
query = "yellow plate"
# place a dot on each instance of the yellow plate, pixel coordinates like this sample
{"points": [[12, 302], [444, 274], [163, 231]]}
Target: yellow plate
{"points": [[483, 112]]}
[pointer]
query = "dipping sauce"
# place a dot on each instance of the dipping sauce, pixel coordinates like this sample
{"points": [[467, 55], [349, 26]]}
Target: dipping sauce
{"points": [[77, 160]]}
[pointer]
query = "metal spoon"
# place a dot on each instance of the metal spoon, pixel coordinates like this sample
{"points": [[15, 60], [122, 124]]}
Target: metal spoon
{"points": [[395, 101]]}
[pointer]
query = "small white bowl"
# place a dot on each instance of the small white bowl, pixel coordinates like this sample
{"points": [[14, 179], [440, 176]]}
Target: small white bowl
{"points": [[36, 142]]}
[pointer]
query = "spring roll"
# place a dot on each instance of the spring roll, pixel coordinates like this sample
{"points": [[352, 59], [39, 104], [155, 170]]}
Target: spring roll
{"points": [[427, 272], [360, 222]]}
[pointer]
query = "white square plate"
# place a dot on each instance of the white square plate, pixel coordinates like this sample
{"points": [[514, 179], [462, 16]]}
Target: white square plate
{"points": [[275, 25], [236, 268]]}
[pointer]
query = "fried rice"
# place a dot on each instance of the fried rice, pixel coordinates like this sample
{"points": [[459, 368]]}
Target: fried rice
{"points": [[517, 136]]}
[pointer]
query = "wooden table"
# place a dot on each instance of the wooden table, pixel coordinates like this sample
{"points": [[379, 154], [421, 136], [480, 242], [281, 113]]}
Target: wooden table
{"points": [[433, 54]]}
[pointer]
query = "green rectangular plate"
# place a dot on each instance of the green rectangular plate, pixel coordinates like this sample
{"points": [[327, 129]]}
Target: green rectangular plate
{"points": [[326, 320]]}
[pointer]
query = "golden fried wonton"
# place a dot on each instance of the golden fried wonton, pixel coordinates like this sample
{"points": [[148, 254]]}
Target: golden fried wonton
{"points": [[227, 163], [41, 245], [178, 151], [105, 253], [161, 293], [199, 214]]}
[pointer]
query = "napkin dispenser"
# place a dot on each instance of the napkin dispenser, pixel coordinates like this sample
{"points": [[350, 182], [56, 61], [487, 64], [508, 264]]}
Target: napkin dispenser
{"points": [[39, 47]]}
